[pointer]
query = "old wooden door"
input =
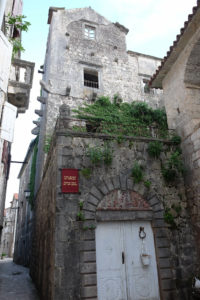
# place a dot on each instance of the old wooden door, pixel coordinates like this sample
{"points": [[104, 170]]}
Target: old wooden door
{"points": [[121, 272]]}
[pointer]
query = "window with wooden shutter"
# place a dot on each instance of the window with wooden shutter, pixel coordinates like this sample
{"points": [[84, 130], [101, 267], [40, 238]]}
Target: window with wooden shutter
{"points": [[8, 122], [5, 61]]}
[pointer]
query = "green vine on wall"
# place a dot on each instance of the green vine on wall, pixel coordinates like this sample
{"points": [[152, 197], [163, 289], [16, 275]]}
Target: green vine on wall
{"points": [[47, 143], [122, 118]]}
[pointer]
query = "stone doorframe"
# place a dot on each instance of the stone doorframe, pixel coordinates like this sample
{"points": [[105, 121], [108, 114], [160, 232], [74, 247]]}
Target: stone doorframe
{"points": [[149, 208]]}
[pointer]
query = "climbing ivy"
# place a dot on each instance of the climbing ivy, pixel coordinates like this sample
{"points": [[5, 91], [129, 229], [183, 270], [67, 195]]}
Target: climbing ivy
{"points": [[132, 119]]}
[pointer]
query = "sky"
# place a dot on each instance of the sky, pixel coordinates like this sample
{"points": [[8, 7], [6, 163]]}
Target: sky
{"points": [[153, 26]]}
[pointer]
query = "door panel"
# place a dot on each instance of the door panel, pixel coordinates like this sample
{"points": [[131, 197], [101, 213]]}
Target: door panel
{"points": [[111, 283], [120, 272], [142, 281]]}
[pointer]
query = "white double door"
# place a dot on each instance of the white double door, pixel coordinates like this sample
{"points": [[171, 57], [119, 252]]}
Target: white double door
{"points": [[121, 274]]}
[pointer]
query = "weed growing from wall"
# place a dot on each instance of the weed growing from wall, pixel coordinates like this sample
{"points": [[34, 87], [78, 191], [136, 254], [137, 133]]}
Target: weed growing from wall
{"points": [[154, 149], [173, 167], [137, 173], [99, 155], [86, 172]]}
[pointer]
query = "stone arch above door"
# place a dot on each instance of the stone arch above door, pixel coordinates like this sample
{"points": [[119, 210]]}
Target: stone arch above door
{"points": [[123, 205], [144, 205]]}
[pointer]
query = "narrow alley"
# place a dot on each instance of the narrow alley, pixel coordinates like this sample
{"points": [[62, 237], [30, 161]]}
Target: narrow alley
{"points": [[15, 282]]}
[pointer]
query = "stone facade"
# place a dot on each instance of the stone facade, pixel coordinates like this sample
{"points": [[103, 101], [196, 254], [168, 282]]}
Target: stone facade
{"points": [[64, 254], [8, 232], [179, 77], [23, 240], [71, 57]]}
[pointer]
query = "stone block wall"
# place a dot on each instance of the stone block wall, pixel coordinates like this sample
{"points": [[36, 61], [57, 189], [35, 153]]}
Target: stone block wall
{"points": [[64, 254], [43, 243], [181, 96], [69, 53]]}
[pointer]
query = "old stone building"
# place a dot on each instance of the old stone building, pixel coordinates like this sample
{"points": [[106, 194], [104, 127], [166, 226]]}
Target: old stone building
{"points": [[16, 77], [179, 77], [86, 57], [100, 234], [9, 227], [25, 209]]}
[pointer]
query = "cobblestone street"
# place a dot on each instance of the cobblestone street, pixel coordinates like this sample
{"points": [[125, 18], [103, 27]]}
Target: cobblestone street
{"points": [[15, 282]]}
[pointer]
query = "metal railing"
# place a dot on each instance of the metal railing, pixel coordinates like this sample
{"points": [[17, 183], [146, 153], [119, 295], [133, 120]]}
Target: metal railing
{"points": [[92, 84]]}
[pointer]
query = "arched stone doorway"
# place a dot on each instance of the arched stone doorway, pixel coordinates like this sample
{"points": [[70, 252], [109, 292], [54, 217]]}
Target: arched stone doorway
{"points": [[120, 210]]}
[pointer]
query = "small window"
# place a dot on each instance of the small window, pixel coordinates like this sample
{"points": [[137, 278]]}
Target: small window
{"points": [[91, 79], [89, 32]]}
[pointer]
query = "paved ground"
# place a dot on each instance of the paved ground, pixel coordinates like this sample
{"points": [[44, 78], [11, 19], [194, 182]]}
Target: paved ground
{"points": [[15, 282]]}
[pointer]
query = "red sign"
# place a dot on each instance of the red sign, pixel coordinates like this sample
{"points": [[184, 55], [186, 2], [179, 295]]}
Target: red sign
{"points": [[70, 181]]}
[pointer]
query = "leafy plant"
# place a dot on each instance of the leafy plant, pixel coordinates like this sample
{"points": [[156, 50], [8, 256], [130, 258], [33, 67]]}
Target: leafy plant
{"points": [[137, 173], [81, 205], [130, 119], [169, 174], [173, 167], [147, 183], [17, 46], [99, 154], [169, 218], [80, 216], [78, 128], [176, 139], [95, 155], [86, 172], [120, 139], [47, 143], [18, 21], [154, 149]]}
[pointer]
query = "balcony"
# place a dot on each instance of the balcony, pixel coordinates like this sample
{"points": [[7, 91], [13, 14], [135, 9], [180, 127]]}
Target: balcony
{"points": [[20, 83]]}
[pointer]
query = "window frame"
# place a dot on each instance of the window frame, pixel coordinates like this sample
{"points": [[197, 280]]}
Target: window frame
{"points": [[94, 72], [91, 29]]}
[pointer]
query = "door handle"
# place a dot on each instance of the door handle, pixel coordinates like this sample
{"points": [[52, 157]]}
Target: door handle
{"points": [[123, 258]]}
